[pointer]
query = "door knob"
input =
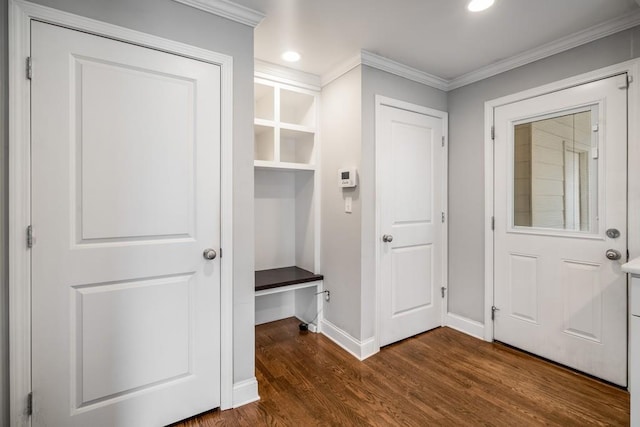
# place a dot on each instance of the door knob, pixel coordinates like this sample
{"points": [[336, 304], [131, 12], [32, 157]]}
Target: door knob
{"points": [[209, 254], [387, 238], [613, 255]]}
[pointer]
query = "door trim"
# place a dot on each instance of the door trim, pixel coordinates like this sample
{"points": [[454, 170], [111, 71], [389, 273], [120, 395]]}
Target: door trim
{"points": [[21, 13], [382, 101], [632, 68]]}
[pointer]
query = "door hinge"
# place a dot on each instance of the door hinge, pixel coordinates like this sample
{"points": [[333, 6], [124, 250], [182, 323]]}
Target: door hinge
{"points": [[493, 312], [443, 140], [29, 237], [493, 133], [493, 223], [627, 255], [443, 290], [30, 403], [220, 252], [29, 68], [443, 217], [624, 81]]}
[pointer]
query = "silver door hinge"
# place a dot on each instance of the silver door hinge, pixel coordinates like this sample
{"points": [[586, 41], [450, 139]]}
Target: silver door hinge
{"points": [[443, 290], [493, 312], [29, 68], [29, 237], [443, 140], [493, 223], [30, 403], [443, 217], [493, 133], [220, 252]]}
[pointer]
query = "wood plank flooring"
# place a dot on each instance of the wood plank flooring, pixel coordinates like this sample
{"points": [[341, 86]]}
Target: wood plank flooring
{"points": [[439, 378]]}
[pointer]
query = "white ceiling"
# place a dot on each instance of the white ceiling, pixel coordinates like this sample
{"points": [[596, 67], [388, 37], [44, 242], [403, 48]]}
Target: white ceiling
{"points": [[439, 37]]}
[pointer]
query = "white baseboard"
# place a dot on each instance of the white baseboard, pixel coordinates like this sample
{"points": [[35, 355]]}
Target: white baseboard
{"points": [[360, 349], [245, 392], [465, 325]]}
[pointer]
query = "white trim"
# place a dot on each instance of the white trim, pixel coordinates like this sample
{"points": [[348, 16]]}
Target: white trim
{"points": [[360, 349], [383, 64], [579, 38], [20, 15], [19, 214], [280, 74], [633, 208], [341, 69], [288, 288], [245, 392], [394, 67], [465, 325], [227, 9], [488, 230], [381, 101]]}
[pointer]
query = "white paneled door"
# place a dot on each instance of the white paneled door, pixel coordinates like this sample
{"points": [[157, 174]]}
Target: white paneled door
{"points": [[410, 177], [561, 227], [125, 198]]}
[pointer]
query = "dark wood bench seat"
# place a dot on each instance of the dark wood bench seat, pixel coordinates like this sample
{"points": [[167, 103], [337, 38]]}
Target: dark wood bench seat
{"points": [[280, 277]]}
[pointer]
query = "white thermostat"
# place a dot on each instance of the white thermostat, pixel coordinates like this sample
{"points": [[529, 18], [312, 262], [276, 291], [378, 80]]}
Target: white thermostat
{"points": [[348, 177]]}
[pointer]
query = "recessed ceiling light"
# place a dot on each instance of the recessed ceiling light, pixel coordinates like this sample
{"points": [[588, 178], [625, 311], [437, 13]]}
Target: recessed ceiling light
{"points": [[479, 5], [291, 56]]}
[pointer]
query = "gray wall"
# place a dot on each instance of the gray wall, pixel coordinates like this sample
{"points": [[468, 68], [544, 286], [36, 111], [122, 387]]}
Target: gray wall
{"points": [[171, 20], [466, 155], [348, 140], [340, 244], [377, 82]]}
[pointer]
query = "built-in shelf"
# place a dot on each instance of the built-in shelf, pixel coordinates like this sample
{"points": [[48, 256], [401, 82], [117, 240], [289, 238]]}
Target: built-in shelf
{"points": [[265, 165], [285, 124], [282, 277], [286, 205]]}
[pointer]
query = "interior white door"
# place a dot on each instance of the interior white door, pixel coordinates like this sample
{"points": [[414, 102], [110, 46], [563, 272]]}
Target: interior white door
{"points": [[560, 184], [125, 198], [410, 170]]}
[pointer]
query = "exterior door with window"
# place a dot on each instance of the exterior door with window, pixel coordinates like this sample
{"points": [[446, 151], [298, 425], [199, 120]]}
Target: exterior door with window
{"points": [[560, 188]]}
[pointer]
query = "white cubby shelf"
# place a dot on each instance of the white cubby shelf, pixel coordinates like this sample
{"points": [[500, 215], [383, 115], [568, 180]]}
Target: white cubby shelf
{"points": [[286, 203]]}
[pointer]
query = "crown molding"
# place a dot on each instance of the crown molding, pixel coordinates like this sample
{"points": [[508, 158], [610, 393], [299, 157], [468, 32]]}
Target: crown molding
{"points": [[286, 75], [341, 69], [393, 67], [364, 57], [569, 42], [384, 64], [227, 9]]}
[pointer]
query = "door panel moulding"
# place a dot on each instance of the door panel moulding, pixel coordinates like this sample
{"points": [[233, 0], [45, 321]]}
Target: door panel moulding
{"points": [[20, 15], [632, 68]]}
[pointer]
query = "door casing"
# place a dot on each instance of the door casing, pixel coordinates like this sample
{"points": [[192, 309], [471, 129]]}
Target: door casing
{"points": [[632, 68], [381, 101], [21, 14]]}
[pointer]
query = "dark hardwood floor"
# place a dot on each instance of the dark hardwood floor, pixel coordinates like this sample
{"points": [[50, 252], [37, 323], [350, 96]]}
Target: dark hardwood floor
{"points": [[441, 377]]}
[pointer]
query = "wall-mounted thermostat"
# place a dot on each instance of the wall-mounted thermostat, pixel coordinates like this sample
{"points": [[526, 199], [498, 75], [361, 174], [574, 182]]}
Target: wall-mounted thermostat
{"points": [[348, 177]]}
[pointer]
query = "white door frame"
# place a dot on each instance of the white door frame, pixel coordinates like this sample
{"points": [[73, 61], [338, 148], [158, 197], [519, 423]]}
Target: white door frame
{"points": [[382, 101], [20, 15], [633, 175]]}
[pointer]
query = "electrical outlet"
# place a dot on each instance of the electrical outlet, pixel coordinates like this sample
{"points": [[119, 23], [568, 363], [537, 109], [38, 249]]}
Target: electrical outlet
{"points": [[327, 296]]}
